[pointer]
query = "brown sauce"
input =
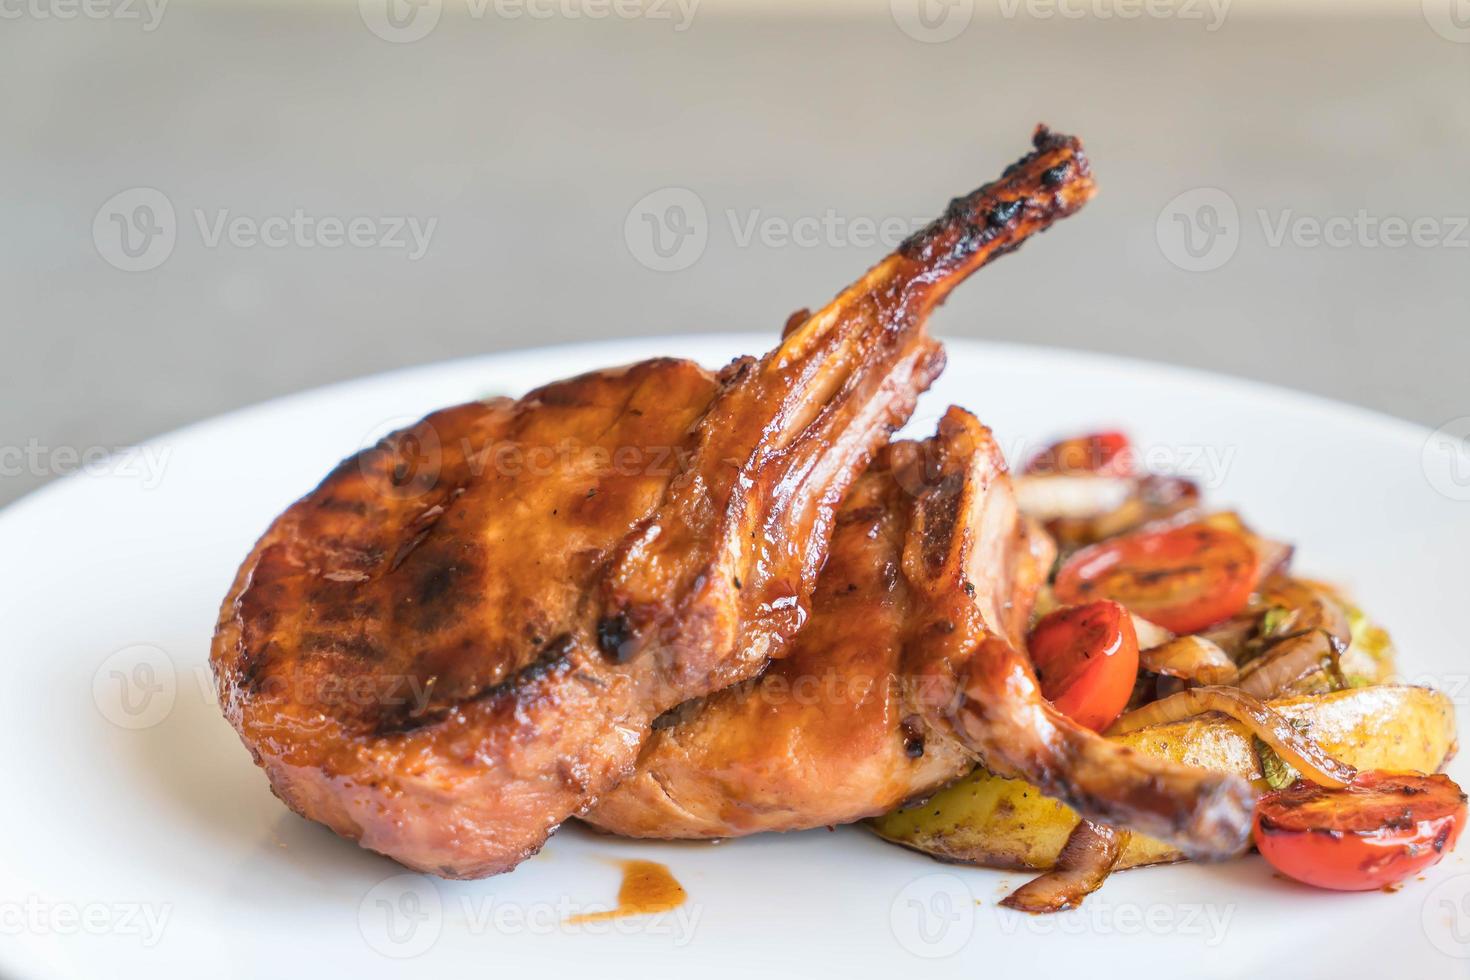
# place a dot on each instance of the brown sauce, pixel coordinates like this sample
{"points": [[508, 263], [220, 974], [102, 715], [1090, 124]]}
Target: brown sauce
{"points": [[647, 887]]}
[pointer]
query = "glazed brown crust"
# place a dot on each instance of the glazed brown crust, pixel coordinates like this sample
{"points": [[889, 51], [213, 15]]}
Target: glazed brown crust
{"points": [[462, 636], [981, 687], [931, 580], [830, 734]]}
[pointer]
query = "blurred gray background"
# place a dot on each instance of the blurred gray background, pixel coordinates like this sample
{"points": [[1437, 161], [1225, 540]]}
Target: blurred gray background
{"points": [[536, 157]]}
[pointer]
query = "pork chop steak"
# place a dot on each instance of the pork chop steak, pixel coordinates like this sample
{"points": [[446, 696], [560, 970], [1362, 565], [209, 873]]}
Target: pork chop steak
{"points": [[461, 637], [833, 732], [909, 673]]}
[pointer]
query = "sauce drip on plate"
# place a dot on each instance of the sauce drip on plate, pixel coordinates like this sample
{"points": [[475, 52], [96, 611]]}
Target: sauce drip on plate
{"points": [[647, 887]]}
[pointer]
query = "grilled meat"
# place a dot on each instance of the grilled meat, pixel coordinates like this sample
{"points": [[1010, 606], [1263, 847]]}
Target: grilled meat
{"points": [[463, 635]]}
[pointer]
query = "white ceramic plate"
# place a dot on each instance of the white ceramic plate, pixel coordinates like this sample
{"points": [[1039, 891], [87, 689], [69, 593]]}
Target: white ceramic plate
{"points": [[139, 840]]}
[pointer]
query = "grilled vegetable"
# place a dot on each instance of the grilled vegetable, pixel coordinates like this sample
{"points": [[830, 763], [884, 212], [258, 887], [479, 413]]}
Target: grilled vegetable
{"points": [[1106, 453], [1086, 860], [1183, 578], [1005, 823], [1086, 658], [1190, 658], [1376, 832]]}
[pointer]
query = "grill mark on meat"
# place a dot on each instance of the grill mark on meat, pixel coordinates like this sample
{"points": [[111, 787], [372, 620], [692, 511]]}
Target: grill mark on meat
{"points": [[556, 656]]}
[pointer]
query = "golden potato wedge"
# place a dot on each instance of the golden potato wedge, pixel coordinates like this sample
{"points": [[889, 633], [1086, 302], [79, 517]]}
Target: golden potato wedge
{"points": [[1005, 823]]}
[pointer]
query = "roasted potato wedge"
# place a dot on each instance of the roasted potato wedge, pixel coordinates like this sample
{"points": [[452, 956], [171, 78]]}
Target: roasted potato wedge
{"points": [[1005, 823]]}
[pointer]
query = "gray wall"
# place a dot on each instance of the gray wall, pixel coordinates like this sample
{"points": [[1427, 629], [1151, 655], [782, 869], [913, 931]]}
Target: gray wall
{"points": [[528, 142]]}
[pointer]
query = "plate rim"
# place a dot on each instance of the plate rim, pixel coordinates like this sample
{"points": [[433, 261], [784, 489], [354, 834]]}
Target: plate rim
{"points": [[1398, 428]]}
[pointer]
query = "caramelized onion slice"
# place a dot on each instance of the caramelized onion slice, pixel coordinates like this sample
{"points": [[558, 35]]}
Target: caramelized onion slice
{"points": [[1292, 746], [1297, 605], [1086, 860], [1049, 496], [1149, 634], [1289, 661], [1190, 658]]}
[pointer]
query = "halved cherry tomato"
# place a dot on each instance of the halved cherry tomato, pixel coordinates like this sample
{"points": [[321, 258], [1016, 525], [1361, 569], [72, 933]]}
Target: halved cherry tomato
{"points": [[1086, 659], [1104, 453], [1378, 830], [1183, 578]]}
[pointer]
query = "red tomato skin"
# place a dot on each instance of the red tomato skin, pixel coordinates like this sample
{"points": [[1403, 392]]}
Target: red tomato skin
{"points": [[1086, 574], [1348, 861], [1086, 659], [1356, 859], [1104, 453]]}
